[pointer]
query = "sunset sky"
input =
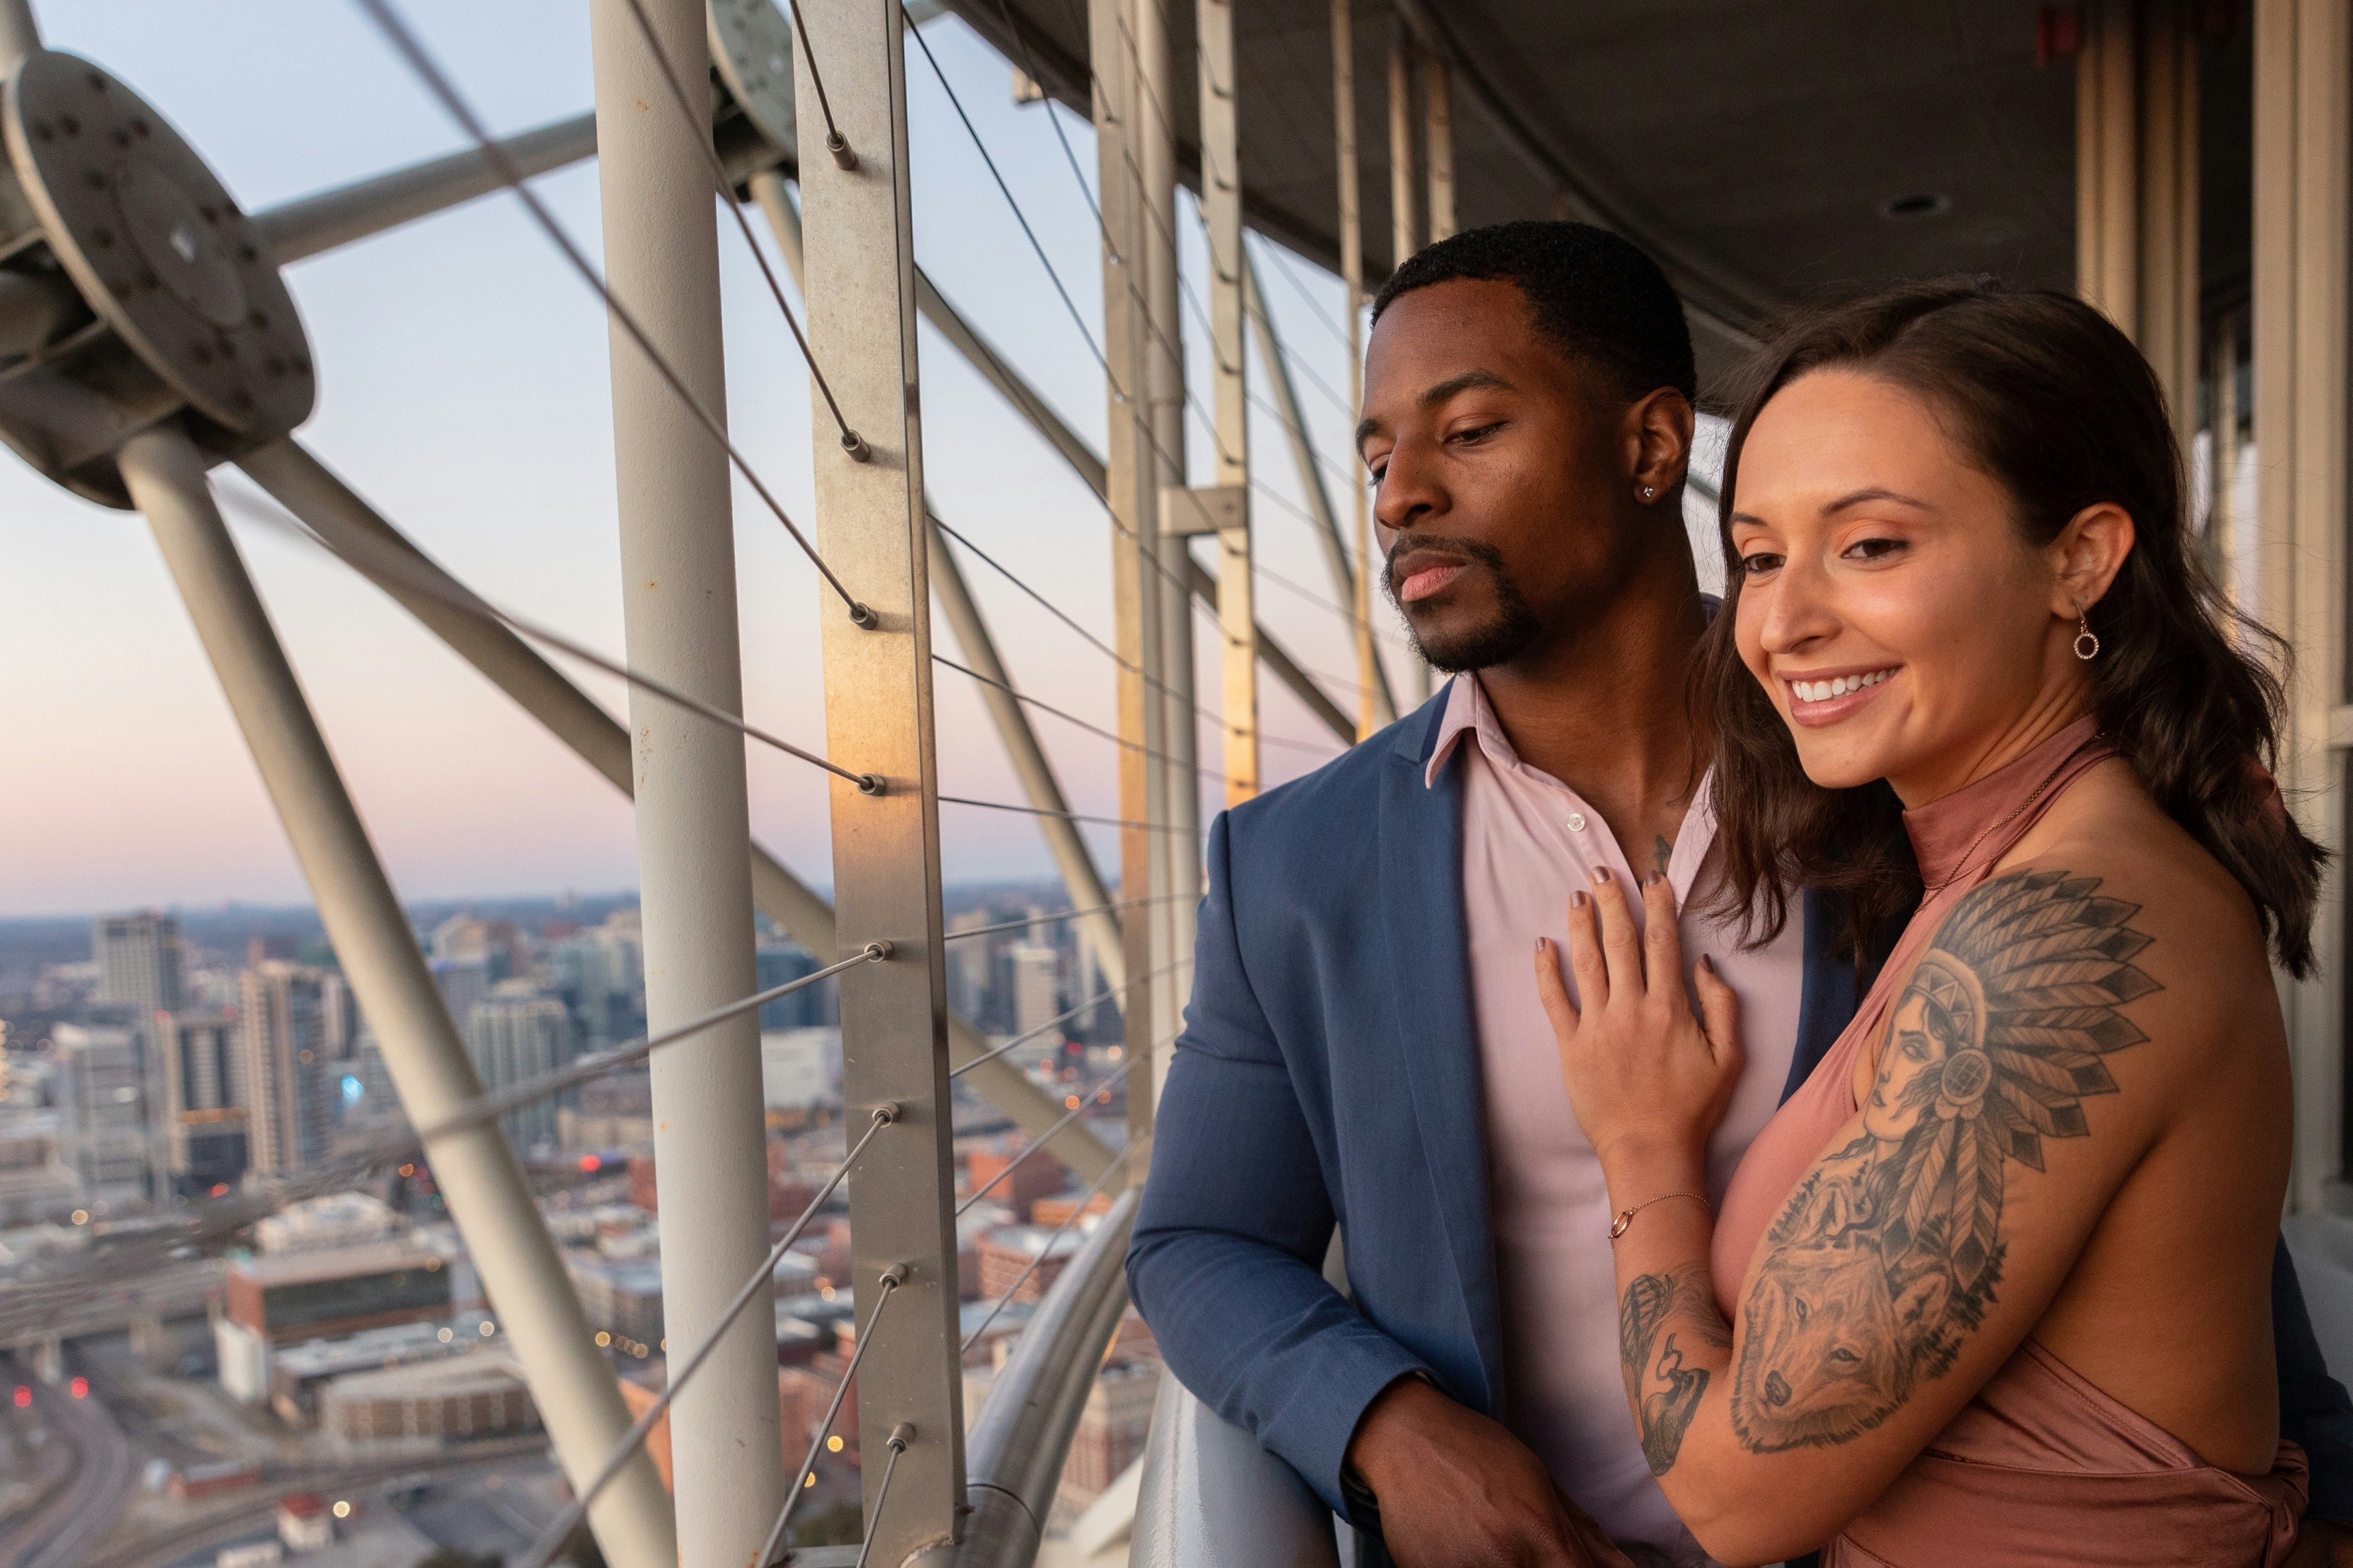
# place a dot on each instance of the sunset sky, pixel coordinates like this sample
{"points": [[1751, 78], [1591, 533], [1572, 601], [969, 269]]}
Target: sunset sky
{"points": [[462, 389]]}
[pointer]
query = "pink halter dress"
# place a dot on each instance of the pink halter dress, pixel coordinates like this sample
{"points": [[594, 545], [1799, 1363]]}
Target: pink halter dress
{"points": [[2040, 1466]]}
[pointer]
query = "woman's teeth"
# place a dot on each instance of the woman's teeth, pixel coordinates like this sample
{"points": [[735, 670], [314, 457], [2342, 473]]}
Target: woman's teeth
{"points": [[1839, 686]]}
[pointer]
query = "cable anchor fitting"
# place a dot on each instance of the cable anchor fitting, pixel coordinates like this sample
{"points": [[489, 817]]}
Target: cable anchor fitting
{"points": [[839, 146]]}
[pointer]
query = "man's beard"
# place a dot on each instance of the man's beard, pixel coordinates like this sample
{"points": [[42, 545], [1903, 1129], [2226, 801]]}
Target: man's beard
{"points": [[1500, 637]]}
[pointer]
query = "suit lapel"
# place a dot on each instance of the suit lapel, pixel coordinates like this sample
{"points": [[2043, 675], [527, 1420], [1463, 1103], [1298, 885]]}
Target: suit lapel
{"points": [[1827, 996], [1427, 977]]}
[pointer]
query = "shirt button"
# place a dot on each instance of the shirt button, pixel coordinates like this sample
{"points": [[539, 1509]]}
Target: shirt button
{"points": [[1576, 822]]}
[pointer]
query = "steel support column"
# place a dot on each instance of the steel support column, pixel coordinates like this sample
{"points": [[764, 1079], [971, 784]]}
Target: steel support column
{"points": [[1038, 786], [1221, 211], [1438, 142], [570, 1380], [1152, 140], [678, 558], [872, 524], [2137, 185], [1277, 365], [2303, 84], [1405, 228], [19, 34], [1133, 495], [1352, 273]]}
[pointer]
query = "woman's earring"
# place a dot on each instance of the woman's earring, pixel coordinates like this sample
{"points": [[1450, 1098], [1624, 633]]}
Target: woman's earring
{"points": [[2087, 643], [1649, 492]]}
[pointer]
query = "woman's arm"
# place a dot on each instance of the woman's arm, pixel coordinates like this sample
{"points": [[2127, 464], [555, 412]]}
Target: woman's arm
{"points": [[1913, 1258]]}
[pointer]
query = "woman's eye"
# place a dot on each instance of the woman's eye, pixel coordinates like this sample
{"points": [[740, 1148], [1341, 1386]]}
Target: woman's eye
{"points": [[1758, 563], [1873, 549]]}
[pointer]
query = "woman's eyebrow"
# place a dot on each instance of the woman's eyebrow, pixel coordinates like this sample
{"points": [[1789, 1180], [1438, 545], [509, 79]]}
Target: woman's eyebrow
{"points": [[1874, 493]]}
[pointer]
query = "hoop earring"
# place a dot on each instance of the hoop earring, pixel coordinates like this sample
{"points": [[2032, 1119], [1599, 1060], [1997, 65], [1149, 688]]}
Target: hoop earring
{"points": [[2083, 633]]}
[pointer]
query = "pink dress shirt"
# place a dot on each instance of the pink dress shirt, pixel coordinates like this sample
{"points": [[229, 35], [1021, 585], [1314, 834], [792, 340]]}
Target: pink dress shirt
{"points": [[1528, 842]]}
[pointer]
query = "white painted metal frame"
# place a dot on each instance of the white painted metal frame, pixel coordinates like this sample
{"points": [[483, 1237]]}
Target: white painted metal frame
{"points": [[679, 607]]}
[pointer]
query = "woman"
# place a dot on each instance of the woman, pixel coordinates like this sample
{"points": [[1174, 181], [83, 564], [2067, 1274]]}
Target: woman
{"points": [[1993, 1287]]}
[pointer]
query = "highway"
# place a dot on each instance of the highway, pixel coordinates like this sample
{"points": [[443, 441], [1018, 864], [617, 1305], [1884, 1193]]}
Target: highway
{"points": [[244, 1513], [62, 1532]]}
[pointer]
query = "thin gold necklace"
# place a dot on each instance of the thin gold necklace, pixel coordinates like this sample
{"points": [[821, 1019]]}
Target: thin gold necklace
{"points": [[2016, 812]]}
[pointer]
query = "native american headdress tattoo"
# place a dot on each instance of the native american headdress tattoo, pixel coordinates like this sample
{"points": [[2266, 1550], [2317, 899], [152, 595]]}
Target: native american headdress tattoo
{"points": [[1890, 1250]]}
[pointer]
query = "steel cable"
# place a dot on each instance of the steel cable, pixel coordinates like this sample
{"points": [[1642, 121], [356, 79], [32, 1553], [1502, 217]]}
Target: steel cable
{"points": [[387, 561], [1097, 1000], [891, 1278], [1078, 1208], [405, 42], [852, 441], [551, 1540], [1086, 1098]]}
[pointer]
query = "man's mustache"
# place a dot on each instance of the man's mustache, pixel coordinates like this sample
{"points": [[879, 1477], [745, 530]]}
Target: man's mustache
{"points": [[1465, 551]]}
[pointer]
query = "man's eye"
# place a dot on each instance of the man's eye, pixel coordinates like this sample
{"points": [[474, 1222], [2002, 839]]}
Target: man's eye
{"points": [[1759, 562], [1873, 549], [1477, 432]]}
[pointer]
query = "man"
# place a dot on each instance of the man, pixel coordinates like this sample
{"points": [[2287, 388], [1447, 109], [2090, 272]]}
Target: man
{"points": [[1364, 1047]]}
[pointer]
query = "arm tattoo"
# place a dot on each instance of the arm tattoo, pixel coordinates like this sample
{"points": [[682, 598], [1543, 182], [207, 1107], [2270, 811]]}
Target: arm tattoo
{"points": [[1887, 1254], [1666, 1392]]}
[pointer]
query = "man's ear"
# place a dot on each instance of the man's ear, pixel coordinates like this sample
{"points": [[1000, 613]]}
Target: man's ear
{"points": [[2086, 556], [1658, 442]]}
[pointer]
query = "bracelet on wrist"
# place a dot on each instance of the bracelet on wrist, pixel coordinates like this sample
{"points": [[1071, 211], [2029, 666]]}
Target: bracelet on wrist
{"points": [[1626, 1217]]}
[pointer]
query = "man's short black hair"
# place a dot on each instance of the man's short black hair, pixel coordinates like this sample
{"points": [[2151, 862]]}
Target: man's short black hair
{"points": [[1596, 297]]}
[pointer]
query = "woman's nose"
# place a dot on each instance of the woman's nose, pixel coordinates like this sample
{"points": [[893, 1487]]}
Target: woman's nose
{"points": [[1798, 610]]}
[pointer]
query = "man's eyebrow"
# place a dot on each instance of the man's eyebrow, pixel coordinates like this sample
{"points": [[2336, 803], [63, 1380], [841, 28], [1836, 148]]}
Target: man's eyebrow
{"points": [[1433, 396], [1854, 498]]}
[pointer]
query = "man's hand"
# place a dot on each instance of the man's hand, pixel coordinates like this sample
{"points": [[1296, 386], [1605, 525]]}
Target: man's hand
{"points": [[2322, 1543], [1457, 1490]]}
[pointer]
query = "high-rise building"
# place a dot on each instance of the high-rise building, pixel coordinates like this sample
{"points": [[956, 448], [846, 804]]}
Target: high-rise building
{"points": [[811, 1007], [968, 963], [139, 962], [517, 1033], [109, 1104], [204, 1099], [1036, 989], [289, 1078]]}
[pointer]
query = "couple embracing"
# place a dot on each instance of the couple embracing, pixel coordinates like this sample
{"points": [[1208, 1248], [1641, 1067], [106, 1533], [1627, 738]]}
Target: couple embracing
{"points": [[1802, 1076]]}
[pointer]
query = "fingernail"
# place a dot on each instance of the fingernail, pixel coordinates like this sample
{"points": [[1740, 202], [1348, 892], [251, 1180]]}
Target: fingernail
{"points": [[1577, 900], [1652, 879], [1601, 873]]}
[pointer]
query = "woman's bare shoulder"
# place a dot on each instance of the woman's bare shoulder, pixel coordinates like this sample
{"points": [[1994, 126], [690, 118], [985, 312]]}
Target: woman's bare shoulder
{"points": [[2169, 910]]}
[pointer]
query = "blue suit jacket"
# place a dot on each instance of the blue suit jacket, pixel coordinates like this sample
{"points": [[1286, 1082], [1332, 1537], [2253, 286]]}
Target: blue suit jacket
{"points": [[1328, 1074]]}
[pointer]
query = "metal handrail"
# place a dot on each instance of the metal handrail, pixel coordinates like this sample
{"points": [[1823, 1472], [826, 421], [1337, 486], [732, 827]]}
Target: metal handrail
{"points": [[1211, 1496], [1013, 1459]]}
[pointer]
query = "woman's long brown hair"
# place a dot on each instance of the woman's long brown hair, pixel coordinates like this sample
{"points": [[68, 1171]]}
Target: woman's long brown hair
{"points": [[2044, 395]]}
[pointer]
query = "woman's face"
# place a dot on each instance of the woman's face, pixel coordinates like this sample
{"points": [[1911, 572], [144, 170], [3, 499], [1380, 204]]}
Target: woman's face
{"points": [[1888, 604]]}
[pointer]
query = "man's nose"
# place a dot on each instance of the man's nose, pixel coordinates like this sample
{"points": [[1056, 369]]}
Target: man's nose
{"points": [[1409, 493]]}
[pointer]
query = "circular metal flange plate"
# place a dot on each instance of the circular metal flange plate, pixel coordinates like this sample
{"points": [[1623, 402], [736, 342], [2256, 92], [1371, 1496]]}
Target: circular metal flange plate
{"points": [[752, 49], [157, 247]]}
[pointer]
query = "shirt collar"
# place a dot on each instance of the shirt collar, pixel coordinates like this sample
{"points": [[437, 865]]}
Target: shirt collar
{"points": [[1467, 712]]}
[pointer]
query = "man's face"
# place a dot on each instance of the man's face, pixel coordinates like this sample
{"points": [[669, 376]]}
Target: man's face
{"points": [[1502, 473]]}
